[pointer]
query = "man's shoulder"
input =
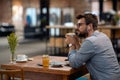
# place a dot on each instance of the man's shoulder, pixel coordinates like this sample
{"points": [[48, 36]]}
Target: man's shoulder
{"points": [[98, 37], [91, 38]]}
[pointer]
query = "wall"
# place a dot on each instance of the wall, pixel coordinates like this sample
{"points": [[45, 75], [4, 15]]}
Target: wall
{"points": [[5, 11], [79, 6], [6, 6], [19, 24]]}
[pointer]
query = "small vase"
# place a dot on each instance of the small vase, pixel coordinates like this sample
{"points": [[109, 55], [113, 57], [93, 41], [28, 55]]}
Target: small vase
{"points": [[12, 58]]}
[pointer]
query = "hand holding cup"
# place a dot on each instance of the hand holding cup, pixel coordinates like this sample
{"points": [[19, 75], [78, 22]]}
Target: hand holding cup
{"points": [[72, 38]]}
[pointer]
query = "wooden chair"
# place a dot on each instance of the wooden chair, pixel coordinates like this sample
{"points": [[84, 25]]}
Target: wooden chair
{"points": [[11, 74]]}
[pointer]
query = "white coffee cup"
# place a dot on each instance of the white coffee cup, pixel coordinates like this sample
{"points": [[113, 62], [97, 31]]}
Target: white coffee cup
{"points": [[21, 57], [70, 34]]}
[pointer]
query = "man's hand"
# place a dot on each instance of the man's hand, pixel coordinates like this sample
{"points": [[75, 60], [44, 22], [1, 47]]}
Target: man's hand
{"points": [[74, 40]]}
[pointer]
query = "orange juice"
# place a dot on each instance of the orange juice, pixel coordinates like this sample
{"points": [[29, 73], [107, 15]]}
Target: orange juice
{"points": [[45, 60]]}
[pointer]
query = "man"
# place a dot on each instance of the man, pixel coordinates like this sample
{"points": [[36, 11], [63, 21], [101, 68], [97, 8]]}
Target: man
{"points": [[96, 50]]}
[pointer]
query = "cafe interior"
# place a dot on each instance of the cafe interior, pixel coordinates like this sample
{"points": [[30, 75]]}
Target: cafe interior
{"points": [[50, 20]]}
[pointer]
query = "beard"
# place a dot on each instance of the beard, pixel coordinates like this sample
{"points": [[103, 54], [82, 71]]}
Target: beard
{"points": [[81, 35]]}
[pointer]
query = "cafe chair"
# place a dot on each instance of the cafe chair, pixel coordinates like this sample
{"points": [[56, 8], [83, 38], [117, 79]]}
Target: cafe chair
{"points": [[11, 74]]}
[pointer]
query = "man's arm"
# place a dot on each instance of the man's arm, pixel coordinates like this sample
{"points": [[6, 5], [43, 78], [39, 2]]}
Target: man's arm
{"points": [[77, 58]]}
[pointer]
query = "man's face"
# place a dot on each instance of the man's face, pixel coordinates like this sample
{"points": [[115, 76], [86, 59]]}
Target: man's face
{"points": [[81, 28]]}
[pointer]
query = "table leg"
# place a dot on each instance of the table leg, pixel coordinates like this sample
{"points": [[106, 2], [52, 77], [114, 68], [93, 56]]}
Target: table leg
{"points": [[65, 77]]}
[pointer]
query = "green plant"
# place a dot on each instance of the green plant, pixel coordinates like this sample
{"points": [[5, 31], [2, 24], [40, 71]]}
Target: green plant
{"points": [[12, 41], [116, 17]]}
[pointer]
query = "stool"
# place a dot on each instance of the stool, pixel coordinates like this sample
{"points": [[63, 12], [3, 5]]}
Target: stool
{"points": [[82, 78], [85, 77]]}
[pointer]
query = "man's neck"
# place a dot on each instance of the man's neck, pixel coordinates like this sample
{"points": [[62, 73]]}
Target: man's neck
{"points": [[90, 33]]}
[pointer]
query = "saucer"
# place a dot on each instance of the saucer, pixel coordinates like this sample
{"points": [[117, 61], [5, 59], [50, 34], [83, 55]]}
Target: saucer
{"points": [[21, 60]]}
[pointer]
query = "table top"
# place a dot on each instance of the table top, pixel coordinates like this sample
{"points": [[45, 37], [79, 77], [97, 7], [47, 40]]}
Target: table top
{"points": [[33, 66]]}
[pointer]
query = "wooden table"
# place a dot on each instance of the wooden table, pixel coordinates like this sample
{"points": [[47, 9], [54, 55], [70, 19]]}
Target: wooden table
{"points": [[34, 72]]}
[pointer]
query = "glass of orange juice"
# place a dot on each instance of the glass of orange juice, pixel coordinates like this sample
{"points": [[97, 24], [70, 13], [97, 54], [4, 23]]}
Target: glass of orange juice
{"points": [[45, 60]]}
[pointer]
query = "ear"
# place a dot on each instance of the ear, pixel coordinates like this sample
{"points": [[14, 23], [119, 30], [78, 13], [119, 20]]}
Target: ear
{"points": [[88, 28]]}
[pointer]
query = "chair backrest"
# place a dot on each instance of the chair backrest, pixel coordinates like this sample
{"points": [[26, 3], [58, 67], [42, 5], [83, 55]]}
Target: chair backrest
{"points": [[11, 74]]}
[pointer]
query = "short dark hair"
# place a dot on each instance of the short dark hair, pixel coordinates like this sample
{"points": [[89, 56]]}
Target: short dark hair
{"points": [[89, 18]]}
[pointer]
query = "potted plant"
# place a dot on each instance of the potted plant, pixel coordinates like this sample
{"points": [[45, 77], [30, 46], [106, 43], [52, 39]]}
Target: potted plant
{"points": [[12, 41], [116, 19]]}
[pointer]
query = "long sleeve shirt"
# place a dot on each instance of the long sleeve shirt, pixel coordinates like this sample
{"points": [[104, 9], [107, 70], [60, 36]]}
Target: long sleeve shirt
{"points": [[99, 56]]}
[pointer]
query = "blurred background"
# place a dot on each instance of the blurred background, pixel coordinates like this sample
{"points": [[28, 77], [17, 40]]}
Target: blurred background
{"points": [[41, 24]]}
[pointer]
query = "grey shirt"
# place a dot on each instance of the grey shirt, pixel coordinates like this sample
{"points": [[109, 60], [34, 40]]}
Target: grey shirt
{"points": [[98, 54]]}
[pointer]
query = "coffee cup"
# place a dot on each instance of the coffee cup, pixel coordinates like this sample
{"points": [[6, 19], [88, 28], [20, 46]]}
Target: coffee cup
{"points": [[70, 34], [21, 57]]}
